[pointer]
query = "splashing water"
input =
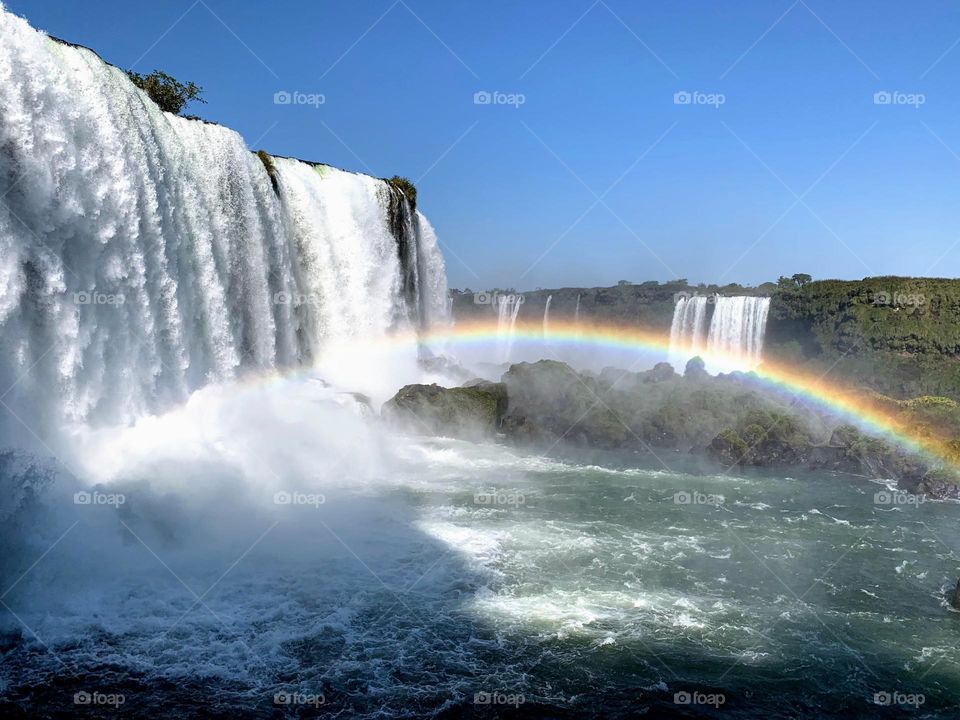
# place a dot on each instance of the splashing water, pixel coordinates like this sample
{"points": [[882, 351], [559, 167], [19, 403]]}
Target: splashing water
{"points": [[143, 255]]}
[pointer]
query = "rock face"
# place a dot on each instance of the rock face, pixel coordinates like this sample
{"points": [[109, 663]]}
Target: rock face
{"points": [[464, 412], [723, 419]]}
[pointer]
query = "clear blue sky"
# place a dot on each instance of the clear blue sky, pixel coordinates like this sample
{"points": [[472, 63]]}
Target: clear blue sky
{"points": [[513, 191]]}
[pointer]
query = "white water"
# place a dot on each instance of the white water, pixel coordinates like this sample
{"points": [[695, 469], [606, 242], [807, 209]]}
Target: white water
{"points": [[576, 311], [734, 337], [546, 316], [508, 307], [687, 329], [737, 328], [143, 255]]}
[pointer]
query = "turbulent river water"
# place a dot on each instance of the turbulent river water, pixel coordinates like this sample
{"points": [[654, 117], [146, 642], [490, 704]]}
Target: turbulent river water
{"points": [[253, 568]]}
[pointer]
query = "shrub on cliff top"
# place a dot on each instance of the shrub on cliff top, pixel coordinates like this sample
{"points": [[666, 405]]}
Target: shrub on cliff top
{"points": [[167, 92], [406, 187]]}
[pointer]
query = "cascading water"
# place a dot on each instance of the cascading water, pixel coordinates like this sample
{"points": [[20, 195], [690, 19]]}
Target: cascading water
{"points": [[144, 255], [508, 307], [735, 335], [737, 329], [546, 316], [576, 311], [687, 329]]}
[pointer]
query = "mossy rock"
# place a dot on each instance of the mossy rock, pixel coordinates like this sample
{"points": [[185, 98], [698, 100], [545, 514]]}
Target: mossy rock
{"points": [[462, 412]]}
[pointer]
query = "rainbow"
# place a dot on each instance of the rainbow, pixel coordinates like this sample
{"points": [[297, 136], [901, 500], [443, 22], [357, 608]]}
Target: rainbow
{"points": [[860, 408]]}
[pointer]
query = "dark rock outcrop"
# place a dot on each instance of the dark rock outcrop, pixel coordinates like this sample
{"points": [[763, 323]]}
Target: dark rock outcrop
{"points": [[463, 412]]}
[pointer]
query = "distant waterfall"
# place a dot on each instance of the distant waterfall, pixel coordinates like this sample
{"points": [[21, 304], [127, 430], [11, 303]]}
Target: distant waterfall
{"points": [[143, 255], [546, 316], [737, 329], [687, 329], [508, 307], [734, 337], [576, 312]]}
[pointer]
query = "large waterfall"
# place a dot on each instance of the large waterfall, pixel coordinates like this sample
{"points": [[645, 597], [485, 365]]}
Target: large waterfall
{"points": [[143, 255], [734, 340]]}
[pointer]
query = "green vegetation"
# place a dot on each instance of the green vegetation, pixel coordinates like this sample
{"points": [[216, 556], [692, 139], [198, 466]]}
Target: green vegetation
{"points": [[406, 187], [898, 336], [167, 92]]}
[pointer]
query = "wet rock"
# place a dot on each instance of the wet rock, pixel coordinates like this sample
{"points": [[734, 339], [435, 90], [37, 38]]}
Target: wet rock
{"points": [[463, 412]]}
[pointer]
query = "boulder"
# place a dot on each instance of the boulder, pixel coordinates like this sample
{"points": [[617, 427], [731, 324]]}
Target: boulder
{"points": [[464, 412]]}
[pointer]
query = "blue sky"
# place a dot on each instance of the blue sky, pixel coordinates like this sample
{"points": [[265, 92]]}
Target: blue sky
{"points": [[599, 175]]}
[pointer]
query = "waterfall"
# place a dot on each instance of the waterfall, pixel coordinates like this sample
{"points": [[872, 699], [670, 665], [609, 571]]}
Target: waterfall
{"points": [[508, 307], [576, 311], [735, 335], [546, 316], [687, 329], [737, 329], [143, 255]]}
